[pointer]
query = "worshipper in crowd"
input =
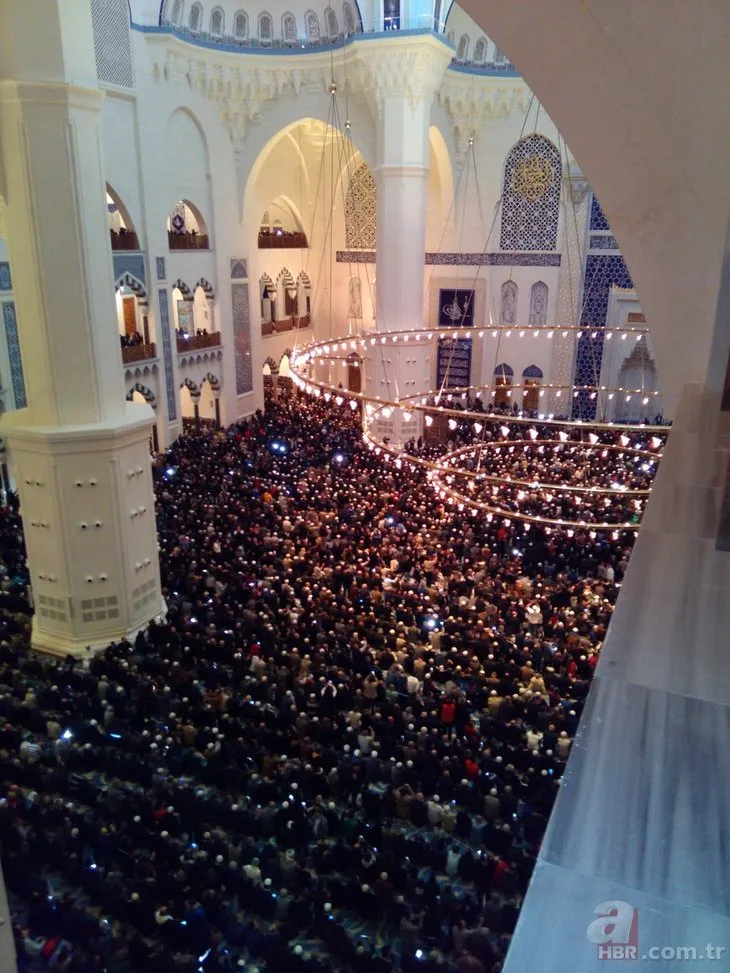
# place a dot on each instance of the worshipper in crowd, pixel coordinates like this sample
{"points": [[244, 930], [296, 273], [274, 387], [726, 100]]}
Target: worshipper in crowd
{"points": [[339, 750]]}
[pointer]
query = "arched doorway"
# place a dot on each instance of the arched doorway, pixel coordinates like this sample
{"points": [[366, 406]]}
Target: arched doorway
{"points": [[503, 376], [133, 316], [531, 377], [145, 396], [637, 382], [183, 313], [354, 373], [210, 414], [190, 406]]}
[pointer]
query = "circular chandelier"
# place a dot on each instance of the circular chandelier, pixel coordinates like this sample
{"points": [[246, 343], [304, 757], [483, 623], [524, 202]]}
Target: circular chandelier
{"points": [[582, 447]]}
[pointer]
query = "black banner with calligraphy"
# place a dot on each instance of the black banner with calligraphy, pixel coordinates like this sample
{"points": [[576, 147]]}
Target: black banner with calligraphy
{"points": [[454, 363], [456, 308]]}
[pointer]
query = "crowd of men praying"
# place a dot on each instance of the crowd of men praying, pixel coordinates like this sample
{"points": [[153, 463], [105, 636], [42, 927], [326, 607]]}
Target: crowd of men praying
{"points": [[340, 748]]}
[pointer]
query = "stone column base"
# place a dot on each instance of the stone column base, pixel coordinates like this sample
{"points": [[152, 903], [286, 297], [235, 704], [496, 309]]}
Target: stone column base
{"points": [[88, 511]]}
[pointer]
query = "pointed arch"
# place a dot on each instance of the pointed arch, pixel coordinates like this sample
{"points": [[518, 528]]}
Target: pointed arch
{"points": [[176, 9], [284, 363], [538, 304], [289, 28], [115, 200], [183, 288], [135, 286], [462, 52], [330, 23], [508, 303], [480, 50], [266, 27], [531, 195], [190, 385], [148, 395], [206, 287], [349, 19], [503, 375], [287, 292], [240, 25], [503, 370], [532, 371], [195, 17], [211, 379], [304, 294], [285, 278], [311, 23], [217, 22]]}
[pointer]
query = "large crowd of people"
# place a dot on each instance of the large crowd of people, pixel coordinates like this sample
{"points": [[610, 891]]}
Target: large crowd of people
{"points": [[340, 748], [579, 476]]}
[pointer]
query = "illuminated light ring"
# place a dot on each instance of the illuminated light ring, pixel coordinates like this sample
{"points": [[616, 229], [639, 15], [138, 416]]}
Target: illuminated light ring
{"points": [[373, 406], [478, 506], [311, 387], [449, 333], [309, 354], [462, 500], [454, 496], [447, 461]]}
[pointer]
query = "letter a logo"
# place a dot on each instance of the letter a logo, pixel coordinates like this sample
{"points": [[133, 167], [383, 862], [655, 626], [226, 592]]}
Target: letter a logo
{"points": [[615, 930]]}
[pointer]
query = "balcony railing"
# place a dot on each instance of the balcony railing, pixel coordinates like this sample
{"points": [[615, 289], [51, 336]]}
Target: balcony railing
{"points": [[124, 240], [188, 241], [292, 323], [134, 353], [194, 342], [282, 240]]}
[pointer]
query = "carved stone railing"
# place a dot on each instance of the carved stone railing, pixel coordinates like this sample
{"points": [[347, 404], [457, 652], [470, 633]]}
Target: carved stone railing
{"points": [[124, 240], [135, 353], [197, 341], [188, 241], [284, 240], [292, 323]]}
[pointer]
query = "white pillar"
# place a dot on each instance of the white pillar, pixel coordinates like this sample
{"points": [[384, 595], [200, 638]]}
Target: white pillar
{"points": [[402, 82], [574, 205], [79, 451]]}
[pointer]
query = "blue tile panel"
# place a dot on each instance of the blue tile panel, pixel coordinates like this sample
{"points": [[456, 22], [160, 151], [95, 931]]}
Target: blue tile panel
{"points": [[603, 271], [167, 353], [242, 338], [160, 267], [239, 271], [16, 362], [6, 280], [598, 220], [480, 259], [130, 263]]}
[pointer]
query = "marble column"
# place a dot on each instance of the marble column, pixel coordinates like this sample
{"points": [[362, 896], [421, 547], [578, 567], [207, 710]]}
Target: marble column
{"points": [[402, 82], [79, 451], [575, 206], [641, 821]]}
